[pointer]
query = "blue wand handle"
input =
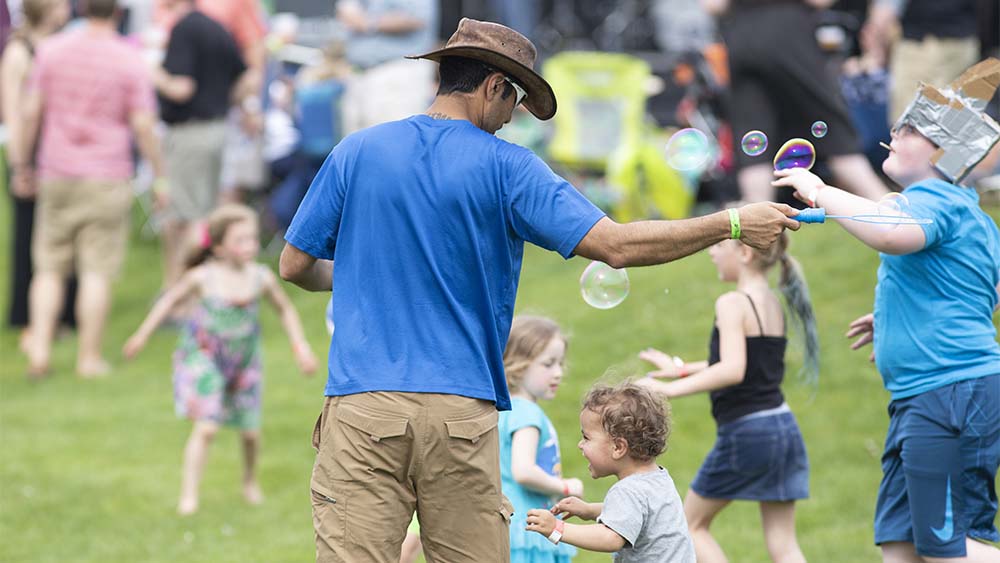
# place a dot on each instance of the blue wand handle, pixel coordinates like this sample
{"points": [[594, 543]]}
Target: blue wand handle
{"points": [[817, 215]]}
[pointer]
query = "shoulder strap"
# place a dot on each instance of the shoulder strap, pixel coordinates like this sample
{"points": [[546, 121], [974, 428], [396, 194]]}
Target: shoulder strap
{"points": [[754, 307]]}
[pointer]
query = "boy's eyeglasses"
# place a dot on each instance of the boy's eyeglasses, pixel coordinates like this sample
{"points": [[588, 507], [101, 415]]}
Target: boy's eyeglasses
{"points": [[520, 94]]}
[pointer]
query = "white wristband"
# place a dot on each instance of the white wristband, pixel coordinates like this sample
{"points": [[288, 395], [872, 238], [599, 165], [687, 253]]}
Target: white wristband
{"points": [[555, 536]]}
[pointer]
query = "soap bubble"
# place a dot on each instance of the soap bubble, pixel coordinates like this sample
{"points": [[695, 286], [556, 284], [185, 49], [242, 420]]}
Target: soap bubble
{"points": [[795, 153], [892, 206], [754, 143], [602, 286], [819, 129], [688, 149]]}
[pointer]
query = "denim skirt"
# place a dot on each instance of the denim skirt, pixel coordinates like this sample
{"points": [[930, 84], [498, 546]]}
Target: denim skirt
{"points": [[760, 456]]}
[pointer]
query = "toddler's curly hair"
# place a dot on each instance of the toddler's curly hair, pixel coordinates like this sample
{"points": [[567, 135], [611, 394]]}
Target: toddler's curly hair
{"points": [[633, 414]]}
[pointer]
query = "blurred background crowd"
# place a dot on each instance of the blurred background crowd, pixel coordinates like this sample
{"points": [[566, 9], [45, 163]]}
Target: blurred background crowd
{"points": [[181, 105]]}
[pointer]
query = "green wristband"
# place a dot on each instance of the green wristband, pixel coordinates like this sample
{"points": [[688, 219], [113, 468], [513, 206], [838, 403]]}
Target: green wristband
{"points": [[734, 224]]}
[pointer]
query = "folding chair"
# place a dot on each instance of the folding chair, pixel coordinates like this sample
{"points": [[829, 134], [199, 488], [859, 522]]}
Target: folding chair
{"points": [[601, 127]]}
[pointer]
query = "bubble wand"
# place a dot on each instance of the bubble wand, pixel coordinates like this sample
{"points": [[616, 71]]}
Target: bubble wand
{"points": [[818, 215]]}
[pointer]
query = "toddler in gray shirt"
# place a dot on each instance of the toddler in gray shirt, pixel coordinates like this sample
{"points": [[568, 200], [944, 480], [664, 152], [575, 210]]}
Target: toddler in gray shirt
{"points": [[641, 519]]}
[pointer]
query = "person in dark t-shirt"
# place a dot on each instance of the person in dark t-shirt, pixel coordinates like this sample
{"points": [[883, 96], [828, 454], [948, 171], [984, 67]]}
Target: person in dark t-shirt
{"points": [[200, 76]]}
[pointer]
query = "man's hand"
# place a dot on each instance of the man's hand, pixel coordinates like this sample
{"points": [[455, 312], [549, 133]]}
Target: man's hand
{"points": [[762, 223], [541, 521], [573, 506], [865, 327]]}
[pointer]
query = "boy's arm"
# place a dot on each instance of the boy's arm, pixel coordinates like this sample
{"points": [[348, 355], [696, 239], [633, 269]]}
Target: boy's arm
{"points": [[592, 537], [901, 239], [573, 506]]}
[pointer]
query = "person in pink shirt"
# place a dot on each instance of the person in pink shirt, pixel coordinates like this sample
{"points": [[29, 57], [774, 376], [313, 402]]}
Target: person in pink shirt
{"points": [[88, 95]]}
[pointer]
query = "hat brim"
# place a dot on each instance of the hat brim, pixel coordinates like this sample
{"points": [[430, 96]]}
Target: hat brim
{"points": [[541, 100]]}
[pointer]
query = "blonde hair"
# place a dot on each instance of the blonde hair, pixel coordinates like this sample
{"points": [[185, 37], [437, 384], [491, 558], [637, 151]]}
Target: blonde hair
{"points": [[211, 232], [792, 283], [529, 335]]}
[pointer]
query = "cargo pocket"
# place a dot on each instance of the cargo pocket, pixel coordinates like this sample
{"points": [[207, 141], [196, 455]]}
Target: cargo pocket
{"points": [[366, 444], [506, 510], [329, 515], [317, 432], [474, 452]]}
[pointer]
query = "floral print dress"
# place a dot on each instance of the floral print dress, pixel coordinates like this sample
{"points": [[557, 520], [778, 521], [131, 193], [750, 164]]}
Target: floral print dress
{"points": [[217, 366]]}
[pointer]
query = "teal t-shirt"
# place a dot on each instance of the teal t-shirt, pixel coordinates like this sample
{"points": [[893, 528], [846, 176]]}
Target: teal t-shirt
{"points": [[524, 414], [934, 307]]}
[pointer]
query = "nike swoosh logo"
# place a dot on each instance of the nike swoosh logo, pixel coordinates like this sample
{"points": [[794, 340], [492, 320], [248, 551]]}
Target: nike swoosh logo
{"points": [[945, 532]]}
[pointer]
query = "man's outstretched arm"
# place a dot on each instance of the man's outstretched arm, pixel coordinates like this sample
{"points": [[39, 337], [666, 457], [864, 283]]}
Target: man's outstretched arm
{"points": [[304, 270], [644, 243]]}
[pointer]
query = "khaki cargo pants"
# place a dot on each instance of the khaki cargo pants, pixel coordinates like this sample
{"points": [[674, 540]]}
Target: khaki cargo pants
{"points": [[383, 455]]}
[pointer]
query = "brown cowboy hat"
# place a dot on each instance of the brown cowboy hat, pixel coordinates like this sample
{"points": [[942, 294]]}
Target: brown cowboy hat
{"points": [[505, 50]]}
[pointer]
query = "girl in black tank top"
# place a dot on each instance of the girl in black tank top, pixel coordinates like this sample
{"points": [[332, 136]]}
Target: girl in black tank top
{"points": [[759, 453]]}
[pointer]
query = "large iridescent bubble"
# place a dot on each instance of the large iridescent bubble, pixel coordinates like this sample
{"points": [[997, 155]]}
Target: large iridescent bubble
{"points": [[795, 153]]}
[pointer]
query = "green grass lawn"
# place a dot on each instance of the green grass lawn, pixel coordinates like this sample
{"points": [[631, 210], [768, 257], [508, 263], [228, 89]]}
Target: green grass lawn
{"points": [[90, 469]]}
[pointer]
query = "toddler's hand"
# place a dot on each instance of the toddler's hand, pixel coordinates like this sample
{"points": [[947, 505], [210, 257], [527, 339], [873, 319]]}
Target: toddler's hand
{"points": [[575, 487], [305, 358], [804, 182], [541, 521], [572, 506], [132, 346]]}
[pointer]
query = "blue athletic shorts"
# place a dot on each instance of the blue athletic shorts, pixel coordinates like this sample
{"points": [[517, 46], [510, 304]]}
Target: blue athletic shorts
{"points": [[939, 468]]}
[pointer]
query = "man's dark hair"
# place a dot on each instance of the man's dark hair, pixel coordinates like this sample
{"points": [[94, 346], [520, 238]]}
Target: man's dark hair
{"points": [[461, 74], [102, 9]]}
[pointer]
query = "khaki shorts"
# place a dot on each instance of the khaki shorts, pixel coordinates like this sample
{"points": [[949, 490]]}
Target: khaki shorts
{"points": [[81, 226], [193, 153], [383, 455]]}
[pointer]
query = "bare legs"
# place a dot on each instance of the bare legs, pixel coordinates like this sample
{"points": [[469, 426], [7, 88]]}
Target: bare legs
{"points": [[778, 519], [975, 552], [46, 300], [700, 512], [195, 454]]}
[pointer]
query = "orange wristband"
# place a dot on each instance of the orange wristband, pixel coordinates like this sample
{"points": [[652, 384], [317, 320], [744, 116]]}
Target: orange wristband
{"points": [[565, 488], [682, 371]]}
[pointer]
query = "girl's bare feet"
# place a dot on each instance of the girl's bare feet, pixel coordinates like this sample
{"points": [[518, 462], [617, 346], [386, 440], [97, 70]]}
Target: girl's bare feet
{"points": [[187, 506], [92, 369], [252, 493]]}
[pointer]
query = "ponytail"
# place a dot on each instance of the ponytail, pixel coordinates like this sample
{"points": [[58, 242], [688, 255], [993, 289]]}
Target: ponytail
{"points": [[796, 292]]}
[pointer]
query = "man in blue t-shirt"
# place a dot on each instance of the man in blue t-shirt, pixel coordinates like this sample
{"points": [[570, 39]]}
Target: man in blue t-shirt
{"points": [[423, 222], [934, 339]]}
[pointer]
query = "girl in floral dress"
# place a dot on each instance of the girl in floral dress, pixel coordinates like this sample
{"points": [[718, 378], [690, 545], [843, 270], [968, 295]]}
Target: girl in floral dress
{"points": [[217, 374]]}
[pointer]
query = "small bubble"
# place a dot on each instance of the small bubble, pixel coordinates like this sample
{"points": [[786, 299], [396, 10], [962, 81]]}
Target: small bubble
{"points": [[819, 129], [28, 491], [754, 143], [188, 537], [227, 530]]}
